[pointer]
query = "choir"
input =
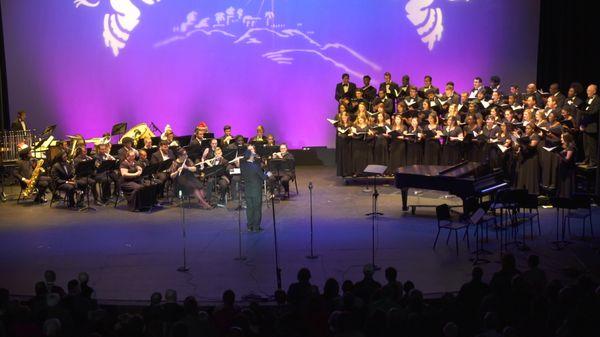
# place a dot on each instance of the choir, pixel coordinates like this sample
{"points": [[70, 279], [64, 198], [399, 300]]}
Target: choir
{"points": [[535, 138]]}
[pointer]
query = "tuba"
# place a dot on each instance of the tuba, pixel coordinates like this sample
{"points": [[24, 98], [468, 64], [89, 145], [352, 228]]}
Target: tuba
{"points": [[35, 175], [138, 132]]}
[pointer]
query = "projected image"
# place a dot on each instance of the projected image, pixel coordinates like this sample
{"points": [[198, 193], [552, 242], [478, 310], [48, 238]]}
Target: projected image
{"points": [[246, 62]]}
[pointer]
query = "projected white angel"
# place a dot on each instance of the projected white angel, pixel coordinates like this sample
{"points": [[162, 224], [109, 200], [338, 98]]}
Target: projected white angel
{"points": [[118, 24], [427, 20]]}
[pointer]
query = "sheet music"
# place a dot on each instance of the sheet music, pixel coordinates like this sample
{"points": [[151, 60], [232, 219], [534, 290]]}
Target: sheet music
{"points": [[502, 148]]}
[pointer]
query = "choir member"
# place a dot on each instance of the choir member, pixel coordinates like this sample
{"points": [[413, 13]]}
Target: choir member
{"points": [[391, 88], [528, 171], [397, 144], [531, 91], [453, 136], [566, 167], [362, 145], [380, 148], [589, 127], [368, 91], [432, 148], [427, 86], [388, 103], [490, 137], [405, 86], [413, 101], [477, 87], [557, 95], [343, 146], [414, 145], [345, 89]]}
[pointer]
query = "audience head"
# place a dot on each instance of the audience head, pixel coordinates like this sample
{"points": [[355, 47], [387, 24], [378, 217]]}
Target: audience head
{"points": [[477, 274], [368, 270], [391, 274], [304, 275], [155, 298], [533, 261], [171, 296], [51, 327], [450, 330], [50, 276], [228, 297]]}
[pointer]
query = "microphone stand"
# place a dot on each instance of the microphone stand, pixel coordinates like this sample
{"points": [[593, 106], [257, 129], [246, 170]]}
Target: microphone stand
{"points": [[240, 257], [312, 255], [277, 269], [183, 268]]}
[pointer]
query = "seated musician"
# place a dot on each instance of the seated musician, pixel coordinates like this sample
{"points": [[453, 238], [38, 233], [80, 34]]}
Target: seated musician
{"points": [[85, 182], [163, 153], [105, 177], [143, 160], [63, 177], [170, 138], [182, 174], [127, 146], [23, 171], [227, 136], [238, 144], [221, 179], [287, 173], [198, 136], [209, 152], [148, 144], [131, 182], [260, 134], [270, 140], [19, 124]]}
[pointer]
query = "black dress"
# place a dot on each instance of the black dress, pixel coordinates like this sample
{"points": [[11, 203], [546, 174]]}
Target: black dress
{"points": [[432, 147], [186, 181], [473, 144], [528, 171], [381, 155], [549, 160], [451, 149], [490, 147], [566, 173], [131, 186], [343, 147], [414, 147], [362, 150], [397, 151]]}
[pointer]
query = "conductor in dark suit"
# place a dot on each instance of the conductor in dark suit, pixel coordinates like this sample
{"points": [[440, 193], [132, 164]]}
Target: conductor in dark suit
{"points": [[345, 89], [589, 126], [19, 124], [253, 177]]}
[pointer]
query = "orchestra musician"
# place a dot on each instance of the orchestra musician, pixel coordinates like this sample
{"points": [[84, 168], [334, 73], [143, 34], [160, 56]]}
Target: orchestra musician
{"points": [[127, 146], [227, 136], [182, 173], [260, 134], [286, 174], [105, 178], [199, 132], [220, 178], [20, 123], [85, 183], [163, 154], [63, 177], [23, 171], [131, 181], [143, 160], [209, 152], [148, 144], [270, 140]]}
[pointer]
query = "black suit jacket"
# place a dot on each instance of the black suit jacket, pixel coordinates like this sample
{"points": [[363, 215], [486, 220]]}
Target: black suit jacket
{"points": [[23, 169], [158, 158], [59, 175], [560, 100], [388, 104], [16, 126], [394, 89], [590, 115], [253, 176], [423, 91], [339, 91], [369, 93]]}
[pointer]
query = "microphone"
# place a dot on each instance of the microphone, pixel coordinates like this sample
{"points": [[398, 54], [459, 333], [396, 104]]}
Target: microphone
{"points": [[310, 185]]}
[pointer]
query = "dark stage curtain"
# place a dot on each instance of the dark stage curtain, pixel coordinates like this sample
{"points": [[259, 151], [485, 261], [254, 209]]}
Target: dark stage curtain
{"points": [[5, 120], [568, 43]]}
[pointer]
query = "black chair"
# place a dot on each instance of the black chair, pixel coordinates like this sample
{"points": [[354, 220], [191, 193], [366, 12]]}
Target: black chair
{"points": [[445, 221], [581, 209], [528, 211]]}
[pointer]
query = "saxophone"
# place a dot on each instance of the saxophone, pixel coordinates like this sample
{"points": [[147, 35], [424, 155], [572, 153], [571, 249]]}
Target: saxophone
{"points": [[34, 178]]}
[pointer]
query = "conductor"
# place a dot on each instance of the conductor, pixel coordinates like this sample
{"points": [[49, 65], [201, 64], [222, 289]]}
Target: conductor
{"points": [[253, 177]]}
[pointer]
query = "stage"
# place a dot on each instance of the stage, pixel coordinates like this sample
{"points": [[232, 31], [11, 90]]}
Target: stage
{"points": [[130, 255]]}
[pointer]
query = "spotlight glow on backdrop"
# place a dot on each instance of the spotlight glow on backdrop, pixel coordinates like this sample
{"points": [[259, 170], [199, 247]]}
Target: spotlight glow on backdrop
{"points": [[87, 64]]}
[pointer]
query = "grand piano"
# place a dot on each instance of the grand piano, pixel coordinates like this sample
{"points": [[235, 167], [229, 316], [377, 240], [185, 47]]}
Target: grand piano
{"points": [[467, 180]]}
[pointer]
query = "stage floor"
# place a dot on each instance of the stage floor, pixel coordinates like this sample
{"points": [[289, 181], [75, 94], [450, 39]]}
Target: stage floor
{"points": [[130, 255]]}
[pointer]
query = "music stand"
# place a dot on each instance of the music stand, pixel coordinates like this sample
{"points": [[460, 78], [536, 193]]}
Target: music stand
{"points": [[85, 169], [149, 170], [236, 171], [118, 129], [106, 166], [374, 170]]}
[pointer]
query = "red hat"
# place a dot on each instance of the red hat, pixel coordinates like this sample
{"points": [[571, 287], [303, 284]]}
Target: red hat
{"points": [[202, 125]]}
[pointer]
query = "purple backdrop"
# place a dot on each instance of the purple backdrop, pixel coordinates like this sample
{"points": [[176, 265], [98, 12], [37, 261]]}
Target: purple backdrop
{"points": [[87, 64]]}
